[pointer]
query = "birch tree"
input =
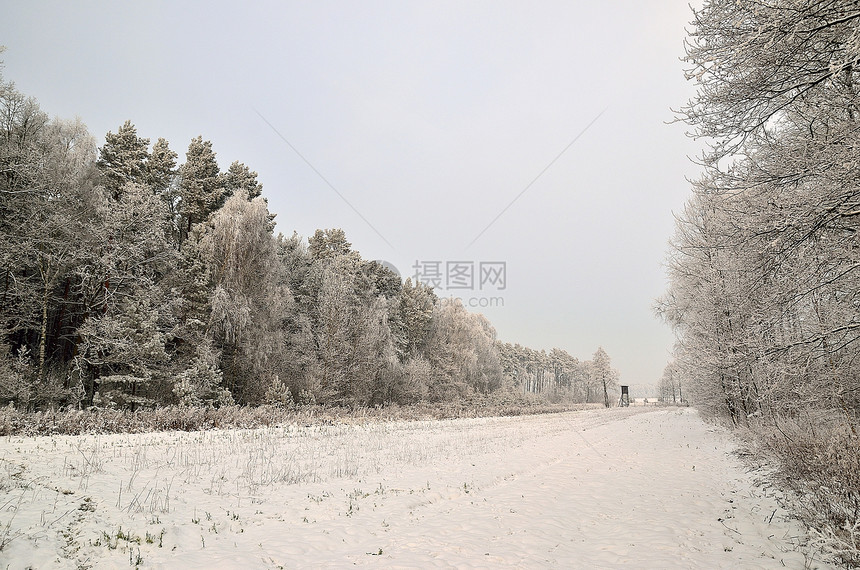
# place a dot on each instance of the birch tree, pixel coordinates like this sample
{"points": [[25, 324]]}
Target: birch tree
{"points": [[603, 373], [462, 353], [249, 296], [59, 228]]}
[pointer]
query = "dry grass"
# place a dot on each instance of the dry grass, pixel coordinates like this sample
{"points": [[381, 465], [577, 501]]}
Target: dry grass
{"points": [[183, 418], [818, 456]]}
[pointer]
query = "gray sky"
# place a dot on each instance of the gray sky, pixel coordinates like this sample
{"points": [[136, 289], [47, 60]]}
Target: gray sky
{"points": [[429, 118]]}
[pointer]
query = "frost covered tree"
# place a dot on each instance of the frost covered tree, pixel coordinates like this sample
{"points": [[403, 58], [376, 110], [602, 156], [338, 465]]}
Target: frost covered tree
{"points": [[201, 185], [46, 198], [161, 169], [763, 265], [123, 158], [129, 281], [124, 353], [671, 385], [122, 342], [374, 362], [16, 386], [162, 178], [351, 305], [462, 353], [555, 375], [332, 244], [333, 332], [567, 373], [603, 374], [60, 196], [416, 315], [300, 365], [240, 178], [22, 195], [202, 383], [764, 291], [249, 296]]}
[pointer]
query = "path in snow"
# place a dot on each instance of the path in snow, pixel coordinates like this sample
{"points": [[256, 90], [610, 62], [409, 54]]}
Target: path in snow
{"points": [[599, 489]]}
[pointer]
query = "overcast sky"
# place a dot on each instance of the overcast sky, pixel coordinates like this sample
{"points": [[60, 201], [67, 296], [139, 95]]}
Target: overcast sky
{"points": [[429, 119]]}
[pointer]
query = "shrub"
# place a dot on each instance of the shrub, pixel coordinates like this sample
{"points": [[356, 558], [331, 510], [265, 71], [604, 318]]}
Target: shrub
{"points": [[818, 456]]}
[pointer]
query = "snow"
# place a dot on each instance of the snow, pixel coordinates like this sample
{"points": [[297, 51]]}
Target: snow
{"points": [[638, 487]]}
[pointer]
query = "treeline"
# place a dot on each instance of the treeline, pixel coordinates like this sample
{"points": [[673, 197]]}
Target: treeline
{"points": [[129, 280], [558, 375], [765, 264]]}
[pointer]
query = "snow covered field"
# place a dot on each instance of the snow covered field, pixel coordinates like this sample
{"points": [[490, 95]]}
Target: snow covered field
{"points": [[638, 487]]}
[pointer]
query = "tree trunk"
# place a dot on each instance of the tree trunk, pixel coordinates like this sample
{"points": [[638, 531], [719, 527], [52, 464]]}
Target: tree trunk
{"points": [[44, 330], [605, 393]]}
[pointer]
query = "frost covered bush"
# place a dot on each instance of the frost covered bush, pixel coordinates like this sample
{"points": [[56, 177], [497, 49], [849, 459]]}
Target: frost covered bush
{"points": [[819, 459], [411, 386], [14, 372], [278, 394], [202, 381]]}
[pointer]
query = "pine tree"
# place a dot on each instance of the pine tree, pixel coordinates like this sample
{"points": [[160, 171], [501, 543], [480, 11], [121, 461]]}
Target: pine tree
{"points": [[240, 178], [121, 286], [123, 158], [333, 332], [278, 394], [202, 382], [126, 349], [163, 178], [326, 244], [161, 167], [201, 186], [416, 314]]}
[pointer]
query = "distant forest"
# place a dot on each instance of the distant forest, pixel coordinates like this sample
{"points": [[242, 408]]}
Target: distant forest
{"points": [[129, 281]]}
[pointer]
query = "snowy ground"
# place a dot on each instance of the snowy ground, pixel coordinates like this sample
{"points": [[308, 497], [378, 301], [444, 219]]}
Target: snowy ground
{"points": [[634, 487]]}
